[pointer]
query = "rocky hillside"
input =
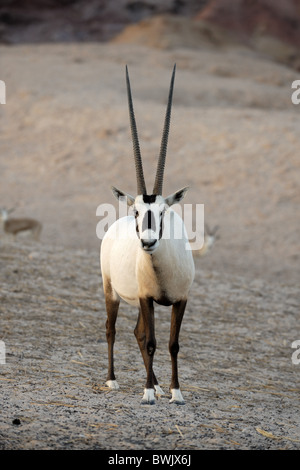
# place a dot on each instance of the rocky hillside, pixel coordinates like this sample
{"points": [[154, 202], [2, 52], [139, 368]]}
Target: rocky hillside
{"points": [[268, 26], [78, 20]]}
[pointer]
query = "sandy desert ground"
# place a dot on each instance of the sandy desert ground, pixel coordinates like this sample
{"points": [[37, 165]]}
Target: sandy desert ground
{"points": [[64, 141]]}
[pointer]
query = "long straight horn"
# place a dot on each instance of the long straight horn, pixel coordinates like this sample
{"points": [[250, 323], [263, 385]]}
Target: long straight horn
{"points": [[141, 186], [158, 184]]}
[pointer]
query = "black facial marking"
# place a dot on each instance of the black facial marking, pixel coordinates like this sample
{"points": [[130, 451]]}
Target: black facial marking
{"points": [[137, 229], [161, 227], [148, 221], [149, 198]]}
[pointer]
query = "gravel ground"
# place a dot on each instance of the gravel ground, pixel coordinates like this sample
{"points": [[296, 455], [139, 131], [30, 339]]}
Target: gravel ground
{"points": [[240, 385]]}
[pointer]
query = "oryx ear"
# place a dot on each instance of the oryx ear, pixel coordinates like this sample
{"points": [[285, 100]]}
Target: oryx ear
{"points": [[176, 197], [120, 195]]}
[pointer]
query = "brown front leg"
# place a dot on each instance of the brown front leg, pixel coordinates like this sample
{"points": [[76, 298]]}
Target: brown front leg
{"points": [[141, 339], [176, 319], [147, 313]]}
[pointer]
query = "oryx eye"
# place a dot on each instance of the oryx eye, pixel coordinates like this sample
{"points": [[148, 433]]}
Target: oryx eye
{"points": [[136, 213]]}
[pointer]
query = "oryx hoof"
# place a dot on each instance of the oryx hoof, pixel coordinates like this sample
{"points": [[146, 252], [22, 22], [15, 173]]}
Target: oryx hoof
{"points": [[177, 398], [113, 384], [148, 397], [158, 390]]}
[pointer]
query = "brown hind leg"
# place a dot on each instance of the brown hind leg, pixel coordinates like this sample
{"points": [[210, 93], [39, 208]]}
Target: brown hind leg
{"points": [[176, 319], [112, 307]]}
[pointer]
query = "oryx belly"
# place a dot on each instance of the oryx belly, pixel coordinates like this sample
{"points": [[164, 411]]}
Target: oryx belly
{"points": [[173, 266]]}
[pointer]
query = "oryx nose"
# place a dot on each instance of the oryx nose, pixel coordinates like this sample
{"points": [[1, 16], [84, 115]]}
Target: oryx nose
{"points": [[148, 243]]}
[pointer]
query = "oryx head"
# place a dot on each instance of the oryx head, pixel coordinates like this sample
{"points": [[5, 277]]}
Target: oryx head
{"points": [[149, 209]]}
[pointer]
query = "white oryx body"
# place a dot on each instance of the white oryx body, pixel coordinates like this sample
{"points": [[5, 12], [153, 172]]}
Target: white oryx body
{"points": [[146, 258], [166, 275]]}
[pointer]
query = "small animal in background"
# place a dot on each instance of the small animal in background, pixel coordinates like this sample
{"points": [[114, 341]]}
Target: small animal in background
{"points": [[144, 267], [210, 236], [14, 226]]}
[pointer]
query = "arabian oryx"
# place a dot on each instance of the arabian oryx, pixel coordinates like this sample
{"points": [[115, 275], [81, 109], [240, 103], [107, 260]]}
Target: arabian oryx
{"points": [[143, 260]]}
